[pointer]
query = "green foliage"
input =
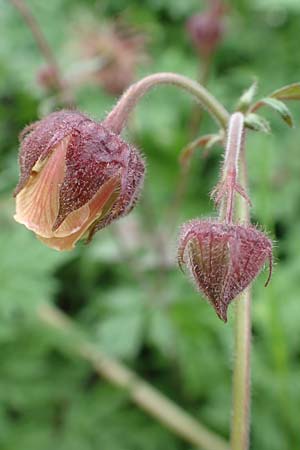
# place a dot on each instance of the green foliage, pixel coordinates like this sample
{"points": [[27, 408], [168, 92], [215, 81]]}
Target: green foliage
{"points": [[129, 302], [281, 108]]}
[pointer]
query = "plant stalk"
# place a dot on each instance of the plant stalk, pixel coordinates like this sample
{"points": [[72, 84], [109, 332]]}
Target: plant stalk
{"points": [[242, 337], [143, 394], [45, 49], [39, 37], [197, 116], [118, 117]]}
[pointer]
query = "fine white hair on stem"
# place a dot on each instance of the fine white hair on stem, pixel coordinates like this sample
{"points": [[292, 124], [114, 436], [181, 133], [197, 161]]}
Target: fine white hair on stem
{"points": [[118, 117], [235, 141]]}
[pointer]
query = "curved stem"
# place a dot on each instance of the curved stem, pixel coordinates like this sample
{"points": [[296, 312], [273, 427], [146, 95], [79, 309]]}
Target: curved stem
{"points": [[194, 125], [241, 370], [143, 394], [197, 116], [118, 117]]}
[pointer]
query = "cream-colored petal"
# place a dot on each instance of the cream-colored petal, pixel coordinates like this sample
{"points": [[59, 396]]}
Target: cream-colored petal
{"points": [[73, 222], [91, 211], [95, 207], [62, 243], [99, 200], [37, 203]]}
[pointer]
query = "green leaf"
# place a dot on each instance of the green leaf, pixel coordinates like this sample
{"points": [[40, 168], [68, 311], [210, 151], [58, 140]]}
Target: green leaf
{"points": [[26, 269], [281, 108], [289, 92], [161, 331], [257, 123], [247, 97], [121, 329]]}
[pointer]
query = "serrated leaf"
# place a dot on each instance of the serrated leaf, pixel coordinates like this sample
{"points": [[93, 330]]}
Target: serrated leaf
{"points": [[289, 92], [281, 108], [257, 123]]}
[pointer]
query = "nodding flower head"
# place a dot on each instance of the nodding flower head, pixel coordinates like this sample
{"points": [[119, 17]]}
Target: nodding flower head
{"points": [[76, 177], [47, 78], [206, 29], [223, 259]]}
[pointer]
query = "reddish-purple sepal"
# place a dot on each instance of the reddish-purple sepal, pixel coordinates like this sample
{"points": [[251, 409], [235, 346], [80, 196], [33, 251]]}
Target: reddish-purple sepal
{"points": [[38, 139], [94, 156], [223, 259]]}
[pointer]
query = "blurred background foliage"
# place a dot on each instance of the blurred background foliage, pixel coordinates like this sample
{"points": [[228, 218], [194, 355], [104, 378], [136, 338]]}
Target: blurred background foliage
{"points": [[122, 290]]}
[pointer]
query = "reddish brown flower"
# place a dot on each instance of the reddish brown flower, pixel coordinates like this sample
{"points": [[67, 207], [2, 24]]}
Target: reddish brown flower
{"points": [[223, 259], [76, 177], [47, 78], [206, 29]]}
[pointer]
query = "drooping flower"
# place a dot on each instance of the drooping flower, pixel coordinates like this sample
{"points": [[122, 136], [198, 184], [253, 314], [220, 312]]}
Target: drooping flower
{"points": [[206, 29], [223, 259], [47, 78], [76, 177]]}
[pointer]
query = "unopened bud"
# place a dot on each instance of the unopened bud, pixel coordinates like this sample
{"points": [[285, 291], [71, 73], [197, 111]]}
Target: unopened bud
{"points": [[206, 29], [76, 177], [47, 78]]}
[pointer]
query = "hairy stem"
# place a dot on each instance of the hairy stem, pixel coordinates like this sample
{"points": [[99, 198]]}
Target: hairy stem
{"points": [[241, 370], [225, 192], [118, 117], [144, 395], [235, 142]]}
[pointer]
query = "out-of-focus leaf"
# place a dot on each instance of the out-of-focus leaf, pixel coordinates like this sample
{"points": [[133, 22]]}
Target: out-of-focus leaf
{"points": [[279, 107], [257, 123], [26, 266], [161, 332], [290, 92], [120, 331], [247, 97]]}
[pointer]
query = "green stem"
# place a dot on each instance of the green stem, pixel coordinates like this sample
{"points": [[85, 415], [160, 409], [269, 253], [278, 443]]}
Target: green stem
{"points": [[118, 117], [197, 116], [241, 370], [143, 394]]}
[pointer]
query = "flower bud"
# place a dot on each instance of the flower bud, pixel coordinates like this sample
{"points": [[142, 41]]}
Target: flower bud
{"points": [[206, 29], [76, 177], [223, 259], [47, 78]]}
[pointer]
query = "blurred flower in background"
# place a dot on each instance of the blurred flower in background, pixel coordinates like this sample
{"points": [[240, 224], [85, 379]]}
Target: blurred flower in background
{"points": [[206, 29], [114, 51], [47, 78]]}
